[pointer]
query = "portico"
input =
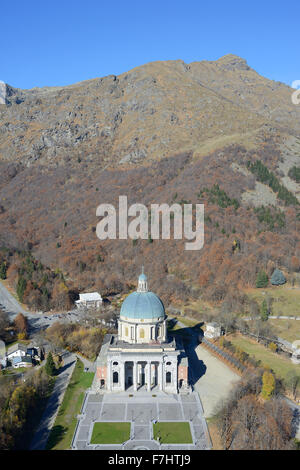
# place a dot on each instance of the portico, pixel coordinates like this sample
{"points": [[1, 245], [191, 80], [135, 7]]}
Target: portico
{"points": [[137, 374]]}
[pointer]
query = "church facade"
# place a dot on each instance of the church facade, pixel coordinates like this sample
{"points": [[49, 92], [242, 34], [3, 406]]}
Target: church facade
{"points": [[140, 356]]}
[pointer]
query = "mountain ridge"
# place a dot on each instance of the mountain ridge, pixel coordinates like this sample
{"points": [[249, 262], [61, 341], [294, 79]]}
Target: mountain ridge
{"points": [[162, 132]]}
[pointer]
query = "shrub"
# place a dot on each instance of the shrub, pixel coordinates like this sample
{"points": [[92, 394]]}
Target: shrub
{"points": [[273, 347]]}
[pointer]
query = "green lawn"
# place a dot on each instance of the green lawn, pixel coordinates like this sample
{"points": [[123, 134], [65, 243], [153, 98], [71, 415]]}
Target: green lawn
{"points": [[171, 432], [110, 433], [279, 364], [286, 329], [286, 299], [62, 432]]}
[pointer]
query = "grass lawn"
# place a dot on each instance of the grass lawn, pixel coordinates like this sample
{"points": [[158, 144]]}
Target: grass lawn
{"points": [[110, 433], [188, 321], [171, 432], [279, 364], [286, 299], [62, 432], [286, 329]]}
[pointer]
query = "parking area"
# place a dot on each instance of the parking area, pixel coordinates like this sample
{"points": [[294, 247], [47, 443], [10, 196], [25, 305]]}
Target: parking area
{"points": [[141, 409]]}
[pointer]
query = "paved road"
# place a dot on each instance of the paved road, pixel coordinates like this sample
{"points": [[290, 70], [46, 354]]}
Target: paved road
{"points": [[41, 436], [89, 365], [36, 320], [10, 304]]}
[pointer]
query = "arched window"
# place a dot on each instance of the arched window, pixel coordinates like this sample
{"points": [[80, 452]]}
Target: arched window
{"points": [[168, 377], [126, 331], [115, 363], [142, 333], [115, 377]]}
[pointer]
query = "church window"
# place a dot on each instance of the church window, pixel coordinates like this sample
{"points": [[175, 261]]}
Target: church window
{"points": [[168, 377], [142, 333], [126, 331]]}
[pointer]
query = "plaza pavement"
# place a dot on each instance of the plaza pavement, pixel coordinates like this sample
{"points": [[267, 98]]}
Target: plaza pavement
{"points": [[213, 382], [141, 409]]}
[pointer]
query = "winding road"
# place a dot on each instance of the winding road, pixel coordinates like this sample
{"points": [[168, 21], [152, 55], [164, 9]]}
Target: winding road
{"points": [[41, 435]]}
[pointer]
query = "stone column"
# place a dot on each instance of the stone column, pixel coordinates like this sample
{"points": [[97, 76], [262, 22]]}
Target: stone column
{"points": [[108, 383], [149, 377], [176, 376], [134, 374], [159, 378], [122, 376]]}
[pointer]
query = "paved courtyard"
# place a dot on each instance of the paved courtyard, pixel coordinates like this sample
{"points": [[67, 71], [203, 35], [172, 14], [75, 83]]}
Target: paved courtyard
{"points": [[216, 382], [141, 410]]}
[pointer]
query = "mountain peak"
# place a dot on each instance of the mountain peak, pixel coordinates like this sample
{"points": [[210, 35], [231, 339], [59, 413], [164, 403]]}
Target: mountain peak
{"points": [[233, 62]]}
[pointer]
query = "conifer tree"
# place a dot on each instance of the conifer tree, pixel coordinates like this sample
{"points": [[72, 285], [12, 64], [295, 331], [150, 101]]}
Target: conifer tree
{"points": [[50, 366], [262, 279]]}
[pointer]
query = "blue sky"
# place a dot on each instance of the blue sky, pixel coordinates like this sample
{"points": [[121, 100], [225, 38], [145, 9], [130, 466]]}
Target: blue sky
{"points": [[48, 43]]}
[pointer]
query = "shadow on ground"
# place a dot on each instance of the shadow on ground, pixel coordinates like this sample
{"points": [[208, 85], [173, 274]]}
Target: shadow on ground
{"points": [[57, 433], [190, 338]]}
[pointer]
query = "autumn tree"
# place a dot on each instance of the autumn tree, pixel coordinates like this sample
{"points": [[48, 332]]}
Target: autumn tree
{"points": [[21, 325], [268, 385]]}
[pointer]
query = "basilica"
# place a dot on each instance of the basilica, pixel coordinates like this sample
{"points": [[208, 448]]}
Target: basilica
{"points": [[141, 356]]}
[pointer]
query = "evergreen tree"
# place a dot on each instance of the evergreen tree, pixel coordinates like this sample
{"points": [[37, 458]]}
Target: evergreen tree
{"points": [[21, 286], [264, 312], [278, 278], [50, 366], [262, 279], [3, 270]]}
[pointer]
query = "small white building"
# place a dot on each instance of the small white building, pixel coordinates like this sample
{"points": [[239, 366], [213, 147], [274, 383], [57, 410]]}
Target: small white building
{"points": [[16, 350], [213, 330], [296, 357], [89, 300]]}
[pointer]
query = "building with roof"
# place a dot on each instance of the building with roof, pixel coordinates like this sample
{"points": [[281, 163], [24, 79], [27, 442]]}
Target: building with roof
{"points": [[21, 361], [89, 300], [16, 350], [141, 356], [213, 330]]}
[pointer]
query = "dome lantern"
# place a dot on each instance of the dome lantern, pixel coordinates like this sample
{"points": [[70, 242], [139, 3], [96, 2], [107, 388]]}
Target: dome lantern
{"points": [[142, 283]]}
